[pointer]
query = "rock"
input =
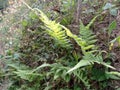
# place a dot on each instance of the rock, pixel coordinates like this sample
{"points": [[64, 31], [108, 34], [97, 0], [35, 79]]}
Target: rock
{"points": [[3, 5]]}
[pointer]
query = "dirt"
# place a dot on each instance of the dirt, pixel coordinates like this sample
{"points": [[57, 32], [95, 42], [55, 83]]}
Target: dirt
{"points": [[6, 18]]}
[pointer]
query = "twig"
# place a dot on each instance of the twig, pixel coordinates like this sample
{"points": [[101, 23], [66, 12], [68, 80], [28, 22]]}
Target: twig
{"points": [[79, 10], [27, 5]]}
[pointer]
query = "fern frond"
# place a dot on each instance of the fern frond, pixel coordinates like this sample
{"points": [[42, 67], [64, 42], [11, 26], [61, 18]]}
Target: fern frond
{"points": [[79, 74], [55, 30], [114, 73], [90, 59], [86, 40], [27, 75], [87, 34], [80, 41]]}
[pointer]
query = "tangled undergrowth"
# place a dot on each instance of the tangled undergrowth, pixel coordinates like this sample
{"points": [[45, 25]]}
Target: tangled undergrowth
{"points": [[50, 55]]}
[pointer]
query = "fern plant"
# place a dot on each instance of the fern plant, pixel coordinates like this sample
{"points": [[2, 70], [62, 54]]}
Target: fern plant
{"points": [[81, 76], [90, 59], [55, 30], [86, 40]]}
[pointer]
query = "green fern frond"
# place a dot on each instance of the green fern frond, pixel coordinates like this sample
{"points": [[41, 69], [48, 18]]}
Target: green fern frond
{"points": [[27, 75], [79, 74], [90, 59], [114, 73], [55, 30], [80, 41], [87, 34], [86, 40]]}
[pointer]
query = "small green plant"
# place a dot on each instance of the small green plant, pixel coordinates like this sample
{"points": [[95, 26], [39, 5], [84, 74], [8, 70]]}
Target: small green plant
{"points": [[117, 39]]}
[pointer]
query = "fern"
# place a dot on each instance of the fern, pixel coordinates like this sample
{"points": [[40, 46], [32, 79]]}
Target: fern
{"points": [[90, 59], [114, 73], [79, 41], [26, 73], [79, 74], [55, 30], [87, 35], [86, 40]]}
